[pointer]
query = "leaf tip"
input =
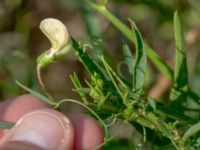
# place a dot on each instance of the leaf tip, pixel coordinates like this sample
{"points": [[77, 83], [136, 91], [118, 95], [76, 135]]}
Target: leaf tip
{"points": [[132, 23], [176, 15], [17, 82]]}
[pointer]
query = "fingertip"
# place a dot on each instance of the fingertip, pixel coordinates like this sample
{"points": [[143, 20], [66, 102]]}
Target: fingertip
{"points": [[12, 110], [88, 133]]}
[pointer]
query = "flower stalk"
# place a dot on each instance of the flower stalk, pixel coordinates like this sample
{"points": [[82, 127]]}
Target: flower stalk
{"points": [[58, 35]]}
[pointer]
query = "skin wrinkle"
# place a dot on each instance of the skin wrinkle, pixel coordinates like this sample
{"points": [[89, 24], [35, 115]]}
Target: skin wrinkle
{"points": [[86, 130]]}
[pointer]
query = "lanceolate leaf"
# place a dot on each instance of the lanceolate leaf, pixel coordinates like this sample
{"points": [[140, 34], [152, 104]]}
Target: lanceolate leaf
{"points": [[180, 85], [140, 64]]}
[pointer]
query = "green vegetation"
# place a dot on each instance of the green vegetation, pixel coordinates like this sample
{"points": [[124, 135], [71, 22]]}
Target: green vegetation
{"points": [[114, 96]]}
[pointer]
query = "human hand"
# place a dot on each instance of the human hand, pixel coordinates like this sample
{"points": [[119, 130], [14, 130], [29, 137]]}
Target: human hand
{"points": [[38, 127]]}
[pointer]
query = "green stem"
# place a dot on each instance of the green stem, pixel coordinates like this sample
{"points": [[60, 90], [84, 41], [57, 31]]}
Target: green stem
{"points": [[105, 107], [111, 77], [88, 108], [153, 122], [42, 85]]}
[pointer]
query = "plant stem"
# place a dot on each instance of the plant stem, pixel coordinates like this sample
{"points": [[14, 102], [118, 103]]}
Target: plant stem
{"points": [[105, 107], [93, 112], [42, 85]]}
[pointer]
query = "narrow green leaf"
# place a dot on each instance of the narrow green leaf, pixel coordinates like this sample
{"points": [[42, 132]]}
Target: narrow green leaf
{"points": [[167, 147], [190, 132], [128, 57], [159, 62], [194, 96], [89, 64], [140, 64], [36, 94], [171, 113], [180, 85]]}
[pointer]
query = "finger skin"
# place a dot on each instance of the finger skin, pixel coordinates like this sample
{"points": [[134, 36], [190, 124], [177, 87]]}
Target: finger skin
{"points": [[88, 133], [12, 110], [18, 145]]}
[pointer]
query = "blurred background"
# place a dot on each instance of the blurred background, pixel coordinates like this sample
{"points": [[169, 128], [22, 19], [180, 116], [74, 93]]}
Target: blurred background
{"points": [[21, 41]]}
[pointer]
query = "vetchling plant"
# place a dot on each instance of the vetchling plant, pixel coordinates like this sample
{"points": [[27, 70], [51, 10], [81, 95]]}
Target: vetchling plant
{"points": [[109, 96]]}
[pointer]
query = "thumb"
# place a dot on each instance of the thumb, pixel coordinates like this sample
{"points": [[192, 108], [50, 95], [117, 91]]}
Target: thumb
{"points": [[44, 129]]}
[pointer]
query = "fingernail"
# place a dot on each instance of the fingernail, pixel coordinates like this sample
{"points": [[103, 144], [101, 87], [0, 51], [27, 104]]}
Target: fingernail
{"points": [[44, 128]]}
